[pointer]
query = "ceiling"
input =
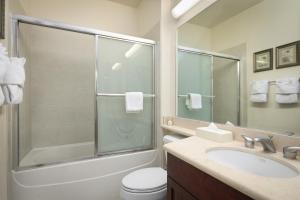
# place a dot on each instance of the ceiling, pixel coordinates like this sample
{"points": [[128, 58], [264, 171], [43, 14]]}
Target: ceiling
{"points": [[221, 11], [131, 3]]}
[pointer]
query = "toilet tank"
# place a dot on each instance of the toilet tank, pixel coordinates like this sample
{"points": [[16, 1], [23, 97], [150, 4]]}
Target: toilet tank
{"points": [[167, 139]]}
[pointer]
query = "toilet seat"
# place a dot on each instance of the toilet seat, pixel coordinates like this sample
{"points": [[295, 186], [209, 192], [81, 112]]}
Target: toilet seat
{"points": [[145, 180], [149, 183], [144, 191]]}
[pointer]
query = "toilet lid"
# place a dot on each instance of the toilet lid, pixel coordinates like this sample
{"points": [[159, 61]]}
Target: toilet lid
{"points": [[146, 180]]}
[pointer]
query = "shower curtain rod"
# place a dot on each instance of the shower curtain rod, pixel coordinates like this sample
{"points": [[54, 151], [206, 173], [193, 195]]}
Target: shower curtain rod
{"points": [[78, 29], [207, 96], [121, 95], [199, 51]]}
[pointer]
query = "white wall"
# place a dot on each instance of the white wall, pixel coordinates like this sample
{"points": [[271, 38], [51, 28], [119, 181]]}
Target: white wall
{"points": [[99, 14], [194, 36], [149, 19]]}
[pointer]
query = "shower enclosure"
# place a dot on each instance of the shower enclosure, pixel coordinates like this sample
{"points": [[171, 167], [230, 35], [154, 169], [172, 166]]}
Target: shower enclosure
{"points": [[74, 105], [213, 75]]}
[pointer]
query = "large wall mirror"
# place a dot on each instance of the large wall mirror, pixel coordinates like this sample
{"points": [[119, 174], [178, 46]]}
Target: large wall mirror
{"points": [[239, 62]]}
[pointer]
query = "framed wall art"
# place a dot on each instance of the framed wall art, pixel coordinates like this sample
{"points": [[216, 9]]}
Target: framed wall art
{"points": [[288, 55], [263, 60]]}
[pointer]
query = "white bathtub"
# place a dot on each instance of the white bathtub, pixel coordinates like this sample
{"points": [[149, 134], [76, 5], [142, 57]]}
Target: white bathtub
{"points": [[94, 179], [59, 153]]}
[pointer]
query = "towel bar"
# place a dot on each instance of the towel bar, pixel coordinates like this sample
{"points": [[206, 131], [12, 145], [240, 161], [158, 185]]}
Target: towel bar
{"points": [[8, 84], [201, 95], [121, 95], [274, 82]]}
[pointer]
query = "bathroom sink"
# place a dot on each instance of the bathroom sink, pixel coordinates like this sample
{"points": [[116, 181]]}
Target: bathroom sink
{"points": [[251, 163]]}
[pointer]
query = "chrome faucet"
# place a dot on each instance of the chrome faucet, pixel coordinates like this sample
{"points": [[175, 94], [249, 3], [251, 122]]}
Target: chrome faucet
{"points": [[290, 152], [267, 143]]}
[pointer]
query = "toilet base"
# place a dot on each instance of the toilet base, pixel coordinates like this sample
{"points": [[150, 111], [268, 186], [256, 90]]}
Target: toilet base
{"points": [[158, 195]]}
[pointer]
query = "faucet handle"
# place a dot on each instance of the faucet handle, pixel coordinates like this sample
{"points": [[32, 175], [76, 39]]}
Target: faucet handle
{"points": [[265, 138], [267, 143], [290, 152], [249, 142]]}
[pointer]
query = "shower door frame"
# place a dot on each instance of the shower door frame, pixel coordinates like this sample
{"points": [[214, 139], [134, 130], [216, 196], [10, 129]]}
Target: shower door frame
{"points": [[16, 20], [211, 55]]}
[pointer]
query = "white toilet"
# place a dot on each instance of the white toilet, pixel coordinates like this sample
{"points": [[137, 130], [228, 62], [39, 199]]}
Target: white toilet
{"points": [[147, 183]]}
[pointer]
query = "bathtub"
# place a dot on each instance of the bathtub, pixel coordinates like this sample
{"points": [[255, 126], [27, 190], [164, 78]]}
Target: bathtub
{"points": [[93, 179], [59, 153]]}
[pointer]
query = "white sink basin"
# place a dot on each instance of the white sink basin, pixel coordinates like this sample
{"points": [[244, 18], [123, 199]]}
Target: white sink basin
{"points": [[251, 163]]}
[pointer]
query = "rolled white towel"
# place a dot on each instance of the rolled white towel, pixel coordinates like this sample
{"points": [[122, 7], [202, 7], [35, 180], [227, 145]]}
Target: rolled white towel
{"points": [[286, 98], [3, 50], [14, 81], [3, 68], [15, 73], [2, 97], [4, 62], [13, 94]]}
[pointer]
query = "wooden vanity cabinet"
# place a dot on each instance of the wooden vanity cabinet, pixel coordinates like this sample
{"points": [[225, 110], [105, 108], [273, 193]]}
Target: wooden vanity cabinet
{"points": [[185, 182]]}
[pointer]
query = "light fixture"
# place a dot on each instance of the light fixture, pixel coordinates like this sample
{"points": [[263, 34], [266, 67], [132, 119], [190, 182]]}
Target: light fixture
{"points": [[116, 66], [183, 6], [132, 50]]}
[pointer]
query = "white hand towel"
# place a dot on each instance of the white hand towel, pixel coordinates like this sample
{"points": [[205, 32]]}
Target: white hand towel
{"points": [[193, 101], [258, 98], [134, 102], [259, 87], [287, 85], [286, 98], [13, 94]]}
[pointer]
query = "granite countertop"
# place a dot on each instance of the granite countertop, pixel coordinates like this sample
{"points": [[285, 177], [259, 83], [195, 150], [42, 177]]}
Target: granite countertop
{"points": [[193, 151]]}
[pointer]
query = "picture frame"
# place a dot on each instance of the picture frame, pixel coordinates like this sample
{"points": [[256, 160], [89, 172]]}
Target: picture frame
{"points": [[288, 55], [2, 19], [263, 60]]}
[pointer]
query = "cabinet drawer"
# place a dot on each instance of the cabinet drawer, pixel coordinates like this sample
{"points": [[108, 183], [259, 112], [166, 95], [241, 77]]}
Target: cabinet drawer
{"points": [[200, 184]]}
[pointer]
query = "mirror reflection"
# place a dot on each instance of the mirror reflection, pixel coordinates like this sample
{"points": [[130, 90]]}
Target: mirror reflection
{"points": [[242, 65], [200, 77]]}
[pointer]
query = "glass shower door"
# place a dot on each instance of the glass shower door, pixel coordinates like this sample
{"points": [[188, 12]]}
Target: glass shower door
{"points": [[56, 117], [194, 76], [124, 66], [226, 88]]}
